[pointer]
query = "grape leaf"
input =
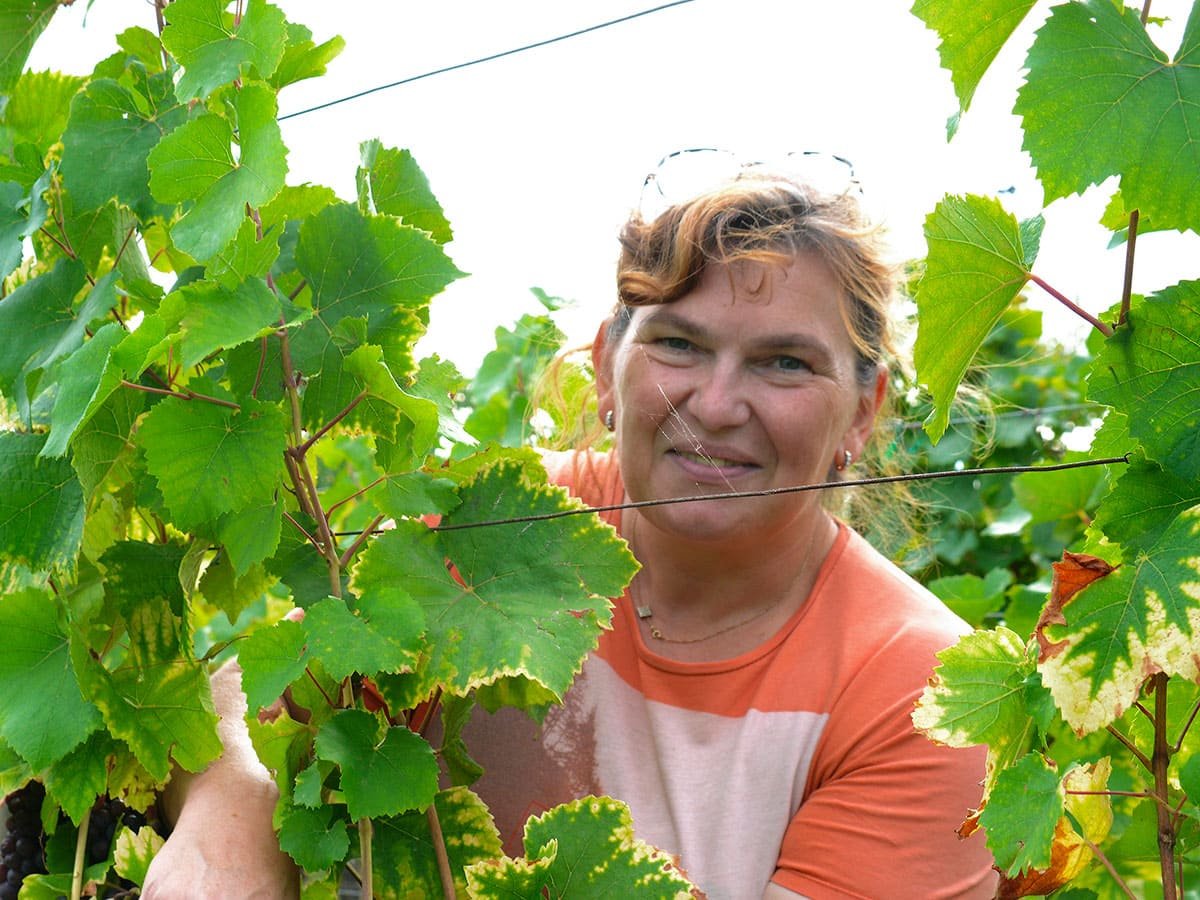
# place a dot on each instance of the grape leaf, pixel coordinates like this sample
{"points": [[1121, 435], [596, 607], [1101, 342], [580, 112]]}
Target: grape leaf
{"points": [[37, 110], [1101, 99], [972, 33], [14, 771], [531, 607], [979, 259], [385, 770], [246, 256], [1067, 494], [19, 218], [137, 571], [970, 597], [41, 505], [209, 316], [391, 182], [302, 58], [135, 851], [21, 21], [196, 163], [372, 267], [1069, 855], [251, 533], [1142, 503], [43, 715], [417, 493], [282, 745], [1022, 814], [1099, 644], [76, 780], [591, 851], [42, 312], [977, 696], [111, 122], [401, 859], [214, 48], [383, 635], [314, 838], [232, 593], [1150, 371], [210, 460], [157, 700]]}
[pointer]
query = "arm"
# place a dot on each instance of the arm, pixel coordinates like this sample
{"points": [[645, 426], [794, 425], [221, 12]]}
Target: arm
{"points": [[223, 844]]}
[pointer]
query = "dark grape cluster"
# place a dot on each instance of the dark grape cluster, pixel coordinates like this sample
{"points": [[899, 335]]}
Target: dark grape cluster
{"points": [[107, 816], [21, 848]]}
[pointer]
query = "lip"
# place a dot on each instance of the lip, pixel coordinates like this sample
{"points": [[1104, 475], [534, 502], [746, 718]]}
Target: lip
{"points": [[711, 464]]}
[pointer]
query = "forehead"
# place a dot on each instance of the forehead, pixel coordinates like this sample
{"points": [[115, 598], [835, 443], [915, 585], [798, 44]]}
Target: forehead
{"points": [[747, 296]]}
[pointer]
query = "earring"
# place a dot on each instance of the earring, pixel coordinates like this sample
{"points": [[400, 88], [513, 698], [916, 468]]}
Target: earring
{"points": [[610, 420], [845, 461]]}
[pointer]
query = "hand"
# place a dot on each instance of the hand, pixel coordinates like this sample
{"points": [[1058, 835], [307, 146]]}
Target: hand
{"points": [[223, 844]]}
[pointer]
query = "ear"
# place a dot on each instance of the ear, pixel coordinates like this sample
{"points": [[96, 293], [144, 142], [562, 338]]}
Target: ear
{"points": [[870, 401], [602, 365]]}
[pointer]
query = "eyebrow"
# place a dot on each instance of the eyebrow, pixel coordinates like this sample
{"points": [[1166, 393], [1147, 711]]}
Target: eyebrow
{"points": [[781, 343]]}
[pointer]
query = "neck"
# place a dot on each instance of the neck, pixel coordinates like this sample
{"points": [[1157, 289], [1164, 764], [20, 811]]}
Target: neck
{"points": [[711, 603]]}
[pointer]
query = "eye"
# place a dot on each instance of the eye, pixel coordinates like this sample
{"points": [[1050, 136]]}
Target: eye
{"points": [[675, 343], [791, 364]]}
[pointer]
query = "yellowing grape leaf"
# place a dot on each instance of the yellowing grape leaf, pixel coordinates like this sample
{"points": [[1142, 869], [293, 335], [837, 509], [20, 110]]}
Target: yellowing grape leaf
{"points": [[1069, 852], [972, 33], [528, 602], [402, 861], [43, 715], [979, 259], [1150, 371], [196, 163], [135, 851], [214, 48], [585, 848], [1022, 814], [1099, 645], [1101, 99]]}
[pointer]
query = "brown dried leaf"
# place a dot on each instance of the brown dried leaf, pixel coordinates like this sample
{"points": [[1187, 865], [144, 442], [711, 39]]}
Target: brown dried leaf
{"points": [[1071, 575]]}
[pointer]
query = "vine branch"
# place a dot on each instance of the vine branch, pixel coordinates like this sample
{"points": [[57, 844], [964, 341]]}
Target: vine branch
{"points": [[345, 558], [1131, 747], [439, 851], [1186, 727], [303, 448]]}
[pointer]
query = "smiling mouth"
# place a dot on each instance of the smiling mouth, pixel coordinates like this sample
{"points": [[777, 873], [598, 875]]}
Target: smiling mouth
{"points": [[715, 462]]}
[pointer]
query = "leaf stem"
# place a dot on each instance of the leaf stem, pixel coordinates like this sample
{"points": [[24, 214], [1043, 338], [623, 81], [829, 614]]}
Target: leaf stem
{"points": [[313, 678], [262, 363], [357, 493], [296, 291], [1103, 328], [124, 244], [439, 851], [1186, 727], [80, 849], [345, 558], [1161, 760], [364, 847], [61, 246], [1130, 246], [303, 448], [1131, 747], [1108, 865], [1146, 12], [182, 395], [312, 540]]}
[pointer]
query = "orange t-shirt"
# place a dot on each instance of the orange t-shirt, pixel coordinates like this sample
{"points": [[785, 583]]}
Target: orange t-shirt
{"points": [[796, 762]]}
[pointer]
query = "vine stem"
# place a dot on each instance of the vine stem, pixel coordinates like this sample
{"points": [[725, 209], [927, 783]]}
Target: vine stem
{"points": [[1160, 761], [1130, 246], [364, 847], [182, 395], [1062, 298], [80, 848], [303, 448], [439, 851], [1111, 869], [1131, 747], [345, 558]]}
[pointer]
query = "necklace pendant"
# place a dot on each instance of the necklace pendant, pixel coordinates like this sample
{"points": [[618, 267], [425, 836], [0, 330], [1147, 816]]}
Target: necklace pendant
{"points": [[656, 634], [644, 612]]}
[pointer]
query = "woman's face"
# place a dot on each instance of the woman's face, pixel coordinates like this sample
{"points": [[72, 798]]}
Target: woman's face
{"points": [[732, 389]]}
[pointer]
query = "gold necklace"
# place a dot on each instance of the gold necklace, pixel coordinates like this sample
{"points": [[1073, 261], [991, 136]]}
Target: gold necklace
{"points": [[645, 612]]}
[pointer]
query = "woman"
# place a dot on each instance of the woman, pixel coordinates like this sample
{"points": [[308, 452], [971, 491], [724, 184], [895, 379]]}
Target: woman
{"points": [[752, 701]]}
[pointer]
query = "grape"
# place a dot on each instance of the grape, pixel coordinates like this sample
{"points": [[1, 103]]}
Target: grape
{"points": [[21, 849]]}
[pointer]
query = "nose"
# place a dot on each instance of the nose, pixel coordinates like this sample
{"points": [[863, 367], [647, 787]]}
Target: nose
{"points": [[718, 399]]}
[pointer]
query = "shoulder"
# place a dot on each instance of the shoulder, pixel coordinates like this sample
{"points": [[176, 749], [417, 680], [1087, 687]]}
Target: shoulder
{"points": [[591, 476]]}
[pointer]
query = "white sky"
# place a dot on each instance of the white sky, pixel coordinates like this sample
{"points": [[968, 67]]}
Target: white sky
{"points": [[537, 158]]}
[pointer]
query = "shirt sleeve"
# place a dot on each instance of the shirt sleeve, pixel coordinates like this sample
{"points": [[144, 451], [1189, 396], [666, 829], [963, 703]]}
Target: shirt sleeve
{"points": [[884, 803]]}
